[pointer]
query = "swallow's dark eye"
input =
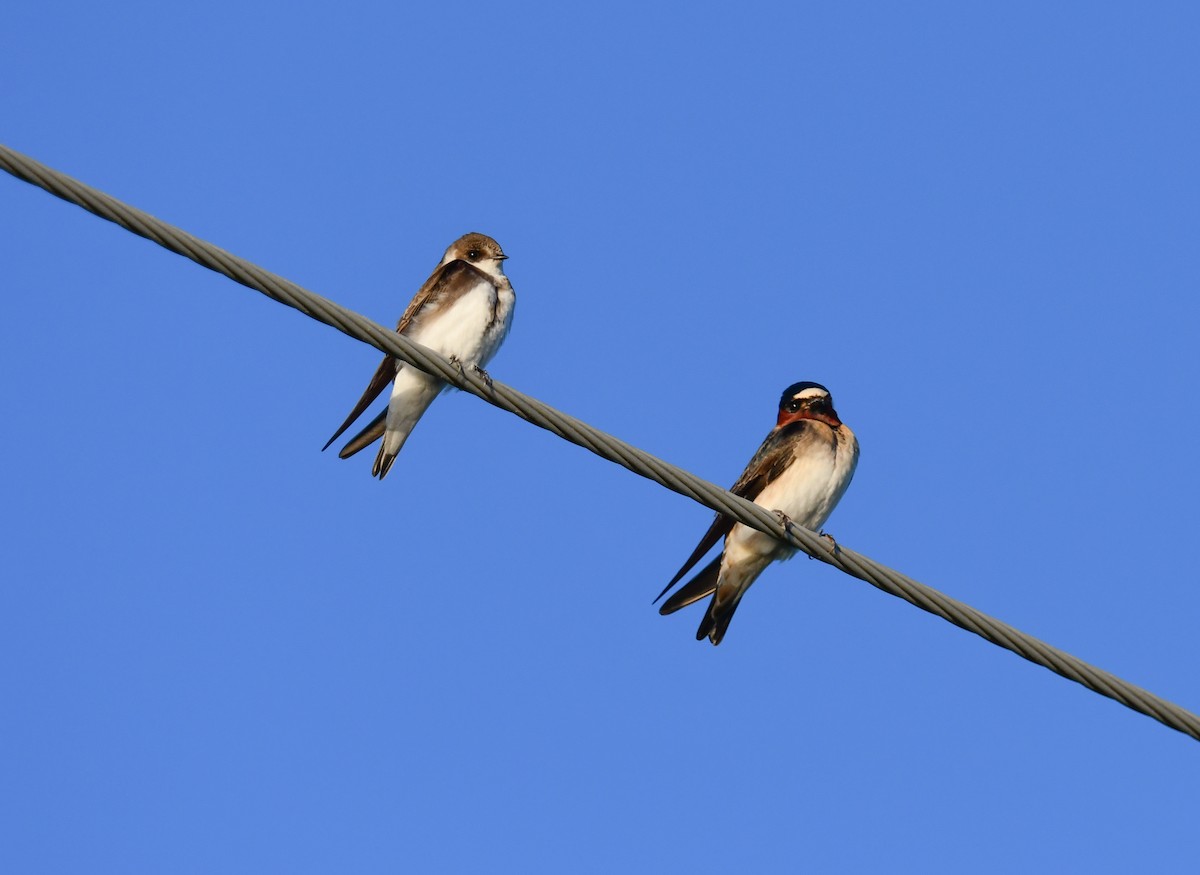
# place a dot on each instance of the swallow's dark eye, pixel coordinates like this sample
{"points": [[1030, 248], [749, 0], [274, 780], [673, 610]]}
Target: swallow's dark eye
{"points": [[793, 405], [473, 254]]}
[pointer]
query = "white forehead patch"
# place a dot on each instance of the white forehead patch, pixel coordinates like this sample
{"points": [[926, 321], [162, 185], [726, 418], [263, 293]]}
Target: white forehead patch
{"points": [[811, 392]]}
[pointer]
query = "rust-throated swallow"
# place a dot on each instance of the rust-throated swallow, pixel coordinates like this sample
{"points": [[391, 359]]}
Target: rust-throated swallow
{"points": [[801, 471], [463, 311]]}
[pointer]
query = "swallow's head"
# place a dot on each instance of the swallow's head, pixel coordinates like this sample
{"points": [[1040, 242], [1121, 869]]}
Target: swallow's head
{"points": [[807, 401], [477, 249]]}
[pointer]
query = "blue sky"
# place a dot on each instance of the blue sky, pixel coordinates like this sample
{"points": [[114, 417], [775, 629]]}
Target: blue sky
{"points": [[221, 650]]}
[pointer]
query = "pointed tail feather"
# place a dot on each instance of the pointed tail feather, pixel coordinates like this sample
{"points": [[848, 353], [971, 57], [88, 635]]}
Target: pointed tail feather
{"points": [[716, 619], [383, 462]]}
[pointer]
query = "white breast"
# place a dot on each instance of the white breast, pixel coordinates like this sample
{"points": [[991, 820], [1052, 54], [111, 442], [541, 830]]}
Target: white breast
{"points": [[806, 492], [461, 329]]}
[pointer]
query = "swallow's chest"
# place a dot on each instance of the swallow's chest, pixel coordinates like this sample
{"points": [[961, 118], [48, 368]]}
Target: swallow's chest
{"points": [[463, 328], [811, 485]]}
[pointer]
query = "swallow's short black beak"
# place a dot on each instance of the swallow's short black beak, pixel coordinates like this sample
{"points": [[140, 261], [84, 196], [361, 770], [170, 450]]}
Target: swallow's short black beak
{"points": [[501, 257]]}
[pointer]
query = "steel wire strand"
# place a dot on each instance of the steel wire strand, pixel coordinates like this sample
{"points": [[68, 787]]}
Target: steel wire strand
{"points": [[604, 445]]}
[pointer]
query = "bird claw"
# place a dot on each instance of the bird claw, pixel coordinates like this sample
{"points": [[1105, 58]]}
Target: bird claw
{"points": [[833, 544], [787, 524], [785, 521], [487, 378]]}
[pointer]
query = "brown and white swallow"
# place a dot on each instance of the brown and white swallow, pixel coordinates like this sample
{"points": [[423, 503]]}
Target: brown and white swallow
{"points": [[463, 311], [801, 470]]}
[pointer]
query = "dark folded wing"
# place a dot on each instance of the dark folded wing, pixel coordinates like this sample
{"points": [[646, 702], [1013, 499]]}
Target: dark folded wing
{"points": [[771, 460], [447, 284], [384, 374], [702, 585], [373, 432]]}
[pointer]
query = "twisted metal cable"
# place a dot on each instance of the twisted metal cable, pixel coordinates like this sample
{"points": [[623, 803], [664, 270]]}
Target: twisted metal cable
{"points": [[604, 445]]}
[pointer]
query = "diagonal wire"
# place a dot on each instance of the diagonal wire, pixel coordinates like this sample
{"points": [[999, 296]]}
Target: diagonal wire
{"points": [[608, 447]]}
